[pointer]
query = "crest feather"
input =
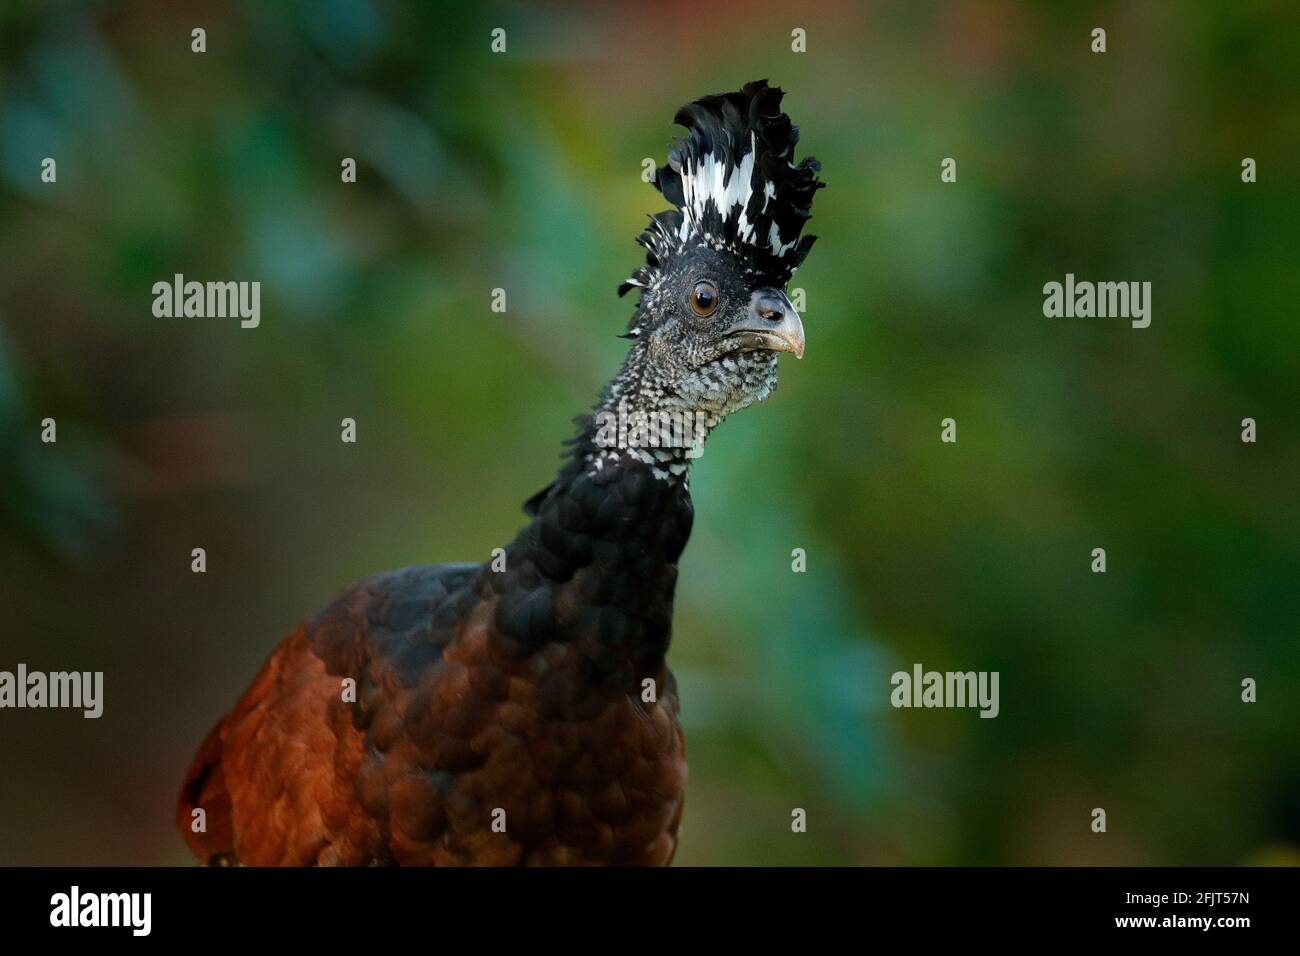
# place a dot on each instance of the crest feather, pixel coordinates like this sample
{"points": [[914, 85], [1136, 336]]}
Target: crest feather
{"points": [[735, 186]]}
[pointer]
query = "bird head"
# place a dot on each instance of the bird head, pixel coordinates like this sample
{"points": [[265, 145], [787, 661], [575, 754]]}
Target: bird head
{"points": [[713, 314]]}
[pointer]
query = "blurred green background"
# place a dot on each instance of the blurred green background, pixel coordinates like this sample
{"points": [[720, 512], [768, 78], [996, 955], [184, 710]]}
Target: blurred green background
{"points": [[522, 171]]}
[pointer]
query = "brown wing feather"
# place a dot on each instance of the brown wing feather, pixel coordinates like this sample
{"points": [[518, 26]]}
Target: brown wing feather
{"points": [[450, 727]]}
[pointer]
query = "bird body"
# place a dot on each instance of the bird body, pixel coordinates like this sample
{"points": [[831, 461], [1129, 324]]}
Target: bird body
{"points": [[521, 711], [481, 697]]}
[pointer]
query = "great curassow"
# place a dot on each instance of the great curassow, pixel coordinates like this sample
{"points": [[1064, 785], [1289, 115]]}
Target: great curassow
{"points": [[521, 711]]}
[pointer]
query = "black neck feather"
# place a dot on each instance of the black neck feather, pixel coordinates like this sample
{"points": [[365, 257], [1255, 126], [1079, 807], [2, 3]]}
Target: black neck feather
{"points": [[596, 566]]}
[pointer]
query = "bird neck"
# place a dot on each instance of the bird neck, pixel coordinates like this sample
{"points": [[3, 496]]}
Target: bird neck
{"points": [[642, 419], [597, 565]]}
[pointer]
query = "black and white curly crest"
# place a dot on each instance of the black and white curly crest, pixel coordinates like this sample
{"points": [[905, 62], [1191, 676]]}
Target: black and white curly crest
{"points": [[735, 186]]}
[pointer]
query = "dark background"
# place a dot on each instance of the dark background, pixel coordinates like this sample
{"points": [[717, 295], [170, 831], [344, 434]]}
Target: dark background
{"points": [[522, 171]]}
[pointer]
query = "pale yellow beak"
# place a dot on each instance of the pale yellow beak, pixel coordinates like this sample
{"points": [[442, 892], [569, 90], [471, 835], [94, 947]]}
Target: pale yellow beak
{"points": [[772, 323]]}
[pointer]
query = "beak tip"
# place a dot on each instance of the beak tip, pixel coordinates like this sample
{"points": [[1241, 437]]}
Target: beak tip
{"points": [[797, 340]]}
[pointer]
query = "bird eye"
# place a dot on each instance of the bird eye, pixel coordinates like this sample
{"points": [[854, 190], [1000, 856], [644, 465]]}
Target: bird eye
{"points": [[704, 299]]}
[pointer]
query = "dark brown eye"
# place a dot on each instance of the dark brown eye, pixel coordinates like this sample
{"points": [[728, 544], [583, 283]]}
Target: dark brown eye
{"points": [[704, 299]]}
